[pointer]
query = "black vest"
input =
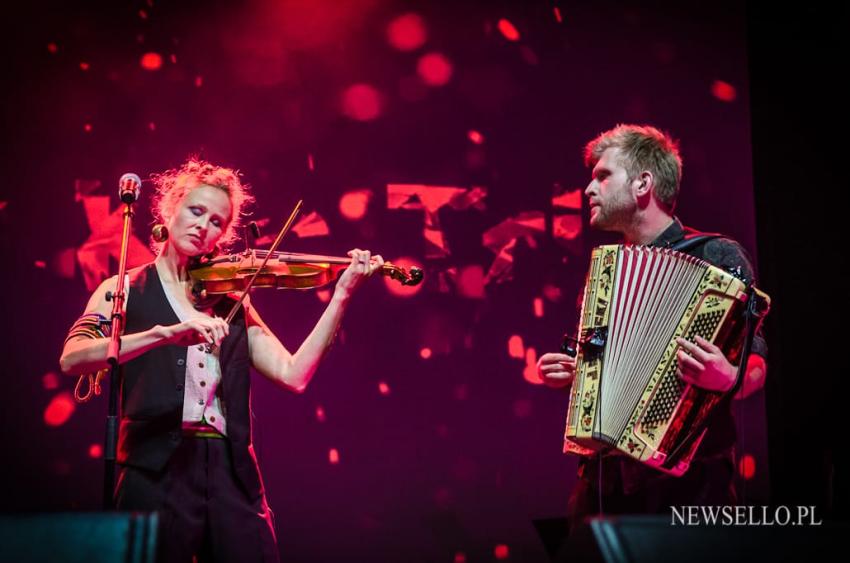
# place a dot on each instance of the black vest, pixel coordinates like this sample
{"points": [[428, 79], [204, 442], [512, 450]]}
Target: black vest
{"points": [[152, 390]]}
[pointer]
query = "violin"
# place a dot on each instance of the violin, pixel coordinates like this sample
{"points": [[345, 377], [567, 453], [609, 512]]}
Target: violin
{"points": [[215, 277], [281, 270]]}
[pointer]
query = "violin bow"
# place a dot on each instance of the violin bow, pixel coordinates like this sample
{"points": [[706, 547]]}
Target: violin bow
{"points": [[275, 244]]}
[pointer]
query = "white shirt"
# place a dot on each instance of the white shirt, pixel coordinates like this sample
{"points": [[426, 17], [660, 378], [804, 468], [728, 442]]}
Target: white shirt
{"points": [[201, 403]]}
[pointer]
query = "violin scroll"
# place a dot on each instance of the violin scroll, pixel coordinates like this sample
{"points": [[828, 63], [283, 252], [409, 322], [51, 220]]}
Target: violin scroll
{"points": [[405, 277]]}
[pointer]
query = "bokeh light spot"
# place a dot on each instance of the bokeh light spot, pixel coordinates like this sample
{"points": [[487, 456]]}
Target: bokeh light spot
{"points": [[723, 91], [59, 410], [475, 136], [747, 466], [529, 373], [508, 30], [470, 282], [361, 102], [538, 307], [515, 347], [353, 204], [50, 381], [151, 61], [395, 287], [407, 32], [434, 69]]}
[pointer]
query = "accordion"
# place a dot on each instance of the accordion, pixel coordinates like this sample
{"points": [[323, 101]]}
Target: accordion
{"points": [[626, 396]]}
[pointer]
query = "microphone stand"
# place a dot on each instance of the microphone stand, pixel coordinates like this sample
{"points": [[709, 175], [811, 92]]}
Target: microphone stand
{"points": [[118, 298]]}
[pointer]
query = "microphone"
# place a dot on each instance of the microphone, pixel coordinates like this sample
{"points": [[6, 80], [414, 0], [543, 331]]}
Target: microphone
{"points": [[128, 187]]}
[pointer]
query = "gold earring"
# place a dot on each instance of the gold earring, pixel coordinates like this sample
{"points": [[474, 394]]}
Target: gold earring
{"points": [[159, 233]]}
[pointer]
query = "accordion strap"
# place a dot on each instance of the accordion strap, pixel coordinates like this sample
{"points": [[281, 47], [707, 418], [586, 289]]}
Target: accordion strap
{"points": [[691, 242]]}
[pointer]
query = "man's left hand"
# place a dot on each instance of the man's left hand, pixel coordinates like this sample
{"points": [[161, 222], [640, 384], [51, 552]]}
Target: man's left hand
{"points": [[704, 365]]}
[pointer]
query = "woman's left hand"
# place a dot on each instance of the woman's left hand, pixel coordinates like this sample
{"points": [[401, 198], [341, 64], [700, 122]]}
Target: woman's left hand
{"points": [[363, 265]]}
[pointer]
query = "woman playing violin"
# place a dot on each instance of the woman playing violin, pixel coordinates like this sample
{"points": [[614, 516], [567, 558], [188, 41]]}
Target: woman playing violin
{"points": [[184, 444]]}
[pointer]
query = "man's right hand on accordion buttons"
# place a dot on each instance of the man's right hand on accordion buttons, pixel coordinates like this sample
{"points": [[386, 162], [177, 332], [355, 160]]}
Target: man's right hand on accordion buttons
{"points": [[556, 370]]}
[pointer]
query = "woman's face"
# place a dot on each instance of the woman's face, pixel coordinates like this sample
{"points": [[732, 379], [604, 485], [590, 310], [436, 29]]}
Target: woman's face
{"points": [[200, 220]]}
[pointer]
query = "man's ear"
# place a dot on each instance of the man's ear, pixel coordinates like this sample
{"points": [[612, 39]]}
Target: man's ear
{"points": [[645, 183]]}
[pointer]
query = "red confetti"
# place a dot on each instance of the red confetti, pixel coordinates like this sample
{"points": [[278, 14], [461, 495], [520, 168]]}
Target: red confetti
{"points": [[501, 551], [50, 381], [152, 126], [199, 81], [143, 14], [324, 295], [475, 137], [425, 353], [460, 557], [52, 48], [361, 102], [87, 127], [508, 30], [320, 414], [747, 466], [558, 18], [173, 59], [84, 66], [333, 456], [311, 164], [151, 61], [407, 32], [723, 91], [353, 204], [383, 388], [40, 264], [95, 451], [434, 69], [59, 410], [515, 347], [3, 205]]}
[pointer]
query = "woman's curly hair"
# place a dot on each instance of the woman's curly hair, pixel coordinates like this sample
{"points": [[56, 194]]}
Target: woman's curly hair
{"points": [[173, 185]]}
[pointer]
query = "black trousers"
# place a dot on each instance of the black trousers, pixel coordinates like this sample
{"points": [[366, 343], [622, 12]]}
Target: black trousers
{"points": [[204, 511], [629, 487]]}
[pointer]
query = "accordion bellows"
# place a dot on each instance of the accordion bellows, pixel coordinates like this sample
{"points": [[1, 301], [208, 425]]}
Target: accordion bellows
{"points": [[626, 394]]}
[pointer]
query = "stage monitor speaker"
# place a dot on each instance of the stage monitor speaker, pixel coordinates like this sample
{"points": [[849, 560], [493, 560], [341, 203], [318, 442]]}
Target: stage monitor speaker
{"points": [[639, 539], [84, 537]]}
